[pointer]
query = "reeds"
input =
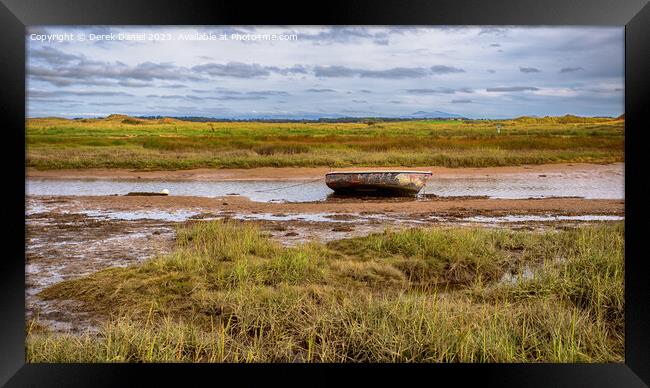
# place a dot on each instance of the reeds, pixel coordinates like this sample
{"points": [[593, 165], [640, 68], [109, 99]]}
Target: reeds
{"points": [[229, 294], [152, 144]]}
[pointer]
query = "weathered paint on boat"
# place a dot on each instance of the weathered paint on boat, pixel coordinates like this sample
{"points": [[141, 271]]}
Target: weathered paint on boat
{"points": [[377, 182]]}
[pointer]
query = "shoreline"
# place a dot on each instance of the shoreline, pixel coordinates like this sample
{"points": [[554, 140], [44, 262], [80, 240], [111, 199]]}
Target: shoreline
{"points": [[306, 173]]}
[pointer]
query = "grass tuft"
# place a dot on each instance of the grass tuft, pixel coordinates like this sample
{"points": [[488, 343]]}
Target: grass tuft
{"points": [[230, 294]]}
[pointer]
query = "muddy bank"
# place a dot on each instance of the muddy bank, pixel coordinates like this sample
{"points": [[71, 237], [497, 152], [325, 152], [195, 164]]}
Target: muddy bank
{"points": [[68, 237], [306, 173], [61, 246], [433, 205]]}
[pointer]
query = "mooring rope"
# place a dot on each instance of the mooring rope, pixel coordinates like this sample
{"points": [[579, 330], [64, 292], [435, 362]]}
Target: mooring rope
{"points": [[288, 187]]}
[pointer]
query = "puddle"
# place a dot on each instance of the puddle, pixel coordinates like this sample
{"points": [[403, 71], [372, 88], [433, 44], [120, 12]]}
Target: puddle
{"points": [[314, 217], [180, 216], [260, 191], [33, 207], [352, 218], [134, 215], [511, 278], [517, 186], [544, 218], [36, 208], [590, 185]]}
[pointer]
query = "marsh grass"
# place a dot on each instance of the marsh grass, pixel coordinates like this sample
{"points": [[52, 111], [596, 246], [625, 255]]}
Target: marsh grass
{"points": [[124, 142], [230, 294]]}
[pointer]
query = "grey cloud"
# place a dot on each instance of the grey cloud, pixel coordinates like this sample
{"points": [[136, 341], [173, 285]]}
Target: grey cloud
{"points": [[227, 98], [512, 89], [245, 70], [529, 70], [335, 71], [238, 93], [148, 71], [96, 93], [133, 84], [360, 101], [268, 93], [461, 101], [89, 71], [61, 82], [451, 29], [174, 96], [586, 42], [296, 69], [71, 105], [394, 73], [345, 35], [395, 102], [365, 91], [499, 31], [570, 69], [491, 71], [203, 98], [110, 103], [431, 91], [53, 56], [49, 100], [381, 41], [599, 90], [83, 93], [173, 86], [495, 45], [439, 91], [320, 90], [442, 69], [401, 30]]}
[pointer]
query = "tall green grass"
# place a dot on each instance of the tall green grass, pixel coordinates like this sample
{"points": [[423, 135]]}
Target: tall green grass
{"points": [[229, 294], [156, 144]]}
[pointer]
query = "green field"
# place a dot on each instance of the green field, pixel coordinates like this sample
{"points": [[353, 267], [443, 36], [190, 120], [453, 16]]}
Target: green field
{"points": [[124, 142], [229, 293]]}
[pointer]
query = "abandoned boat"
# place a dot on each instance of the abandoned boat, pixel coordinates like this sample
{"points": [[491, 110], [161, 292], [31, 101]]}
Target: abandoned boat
{"points": [[394, 183]]}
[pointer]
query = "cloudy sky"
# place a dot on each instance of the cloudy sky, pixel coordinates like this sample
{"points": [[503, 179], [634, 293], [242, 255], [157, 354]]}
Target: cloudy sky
{"points": [[308, 72]]}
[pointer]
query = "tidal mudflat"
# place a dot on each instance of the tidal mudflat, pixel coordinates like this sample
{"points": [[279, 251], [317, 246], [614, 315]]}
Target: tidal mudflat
{"points": [[77, 226]]}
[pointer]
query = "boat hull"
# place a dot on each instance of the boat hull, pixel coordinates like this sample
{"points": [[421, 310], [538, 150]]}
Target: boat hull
{"points": [[392, 183]]}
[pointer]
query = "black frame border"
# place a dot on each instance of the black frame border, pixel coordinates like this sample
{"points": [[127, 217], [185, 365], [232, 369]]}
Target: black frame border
{"points": [[15, 15]]}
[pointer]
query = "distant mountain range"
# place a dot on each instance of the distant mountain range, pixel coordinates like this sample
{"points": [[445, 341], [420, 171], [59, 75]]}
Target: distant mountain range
{"points": [[434, 115]]}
